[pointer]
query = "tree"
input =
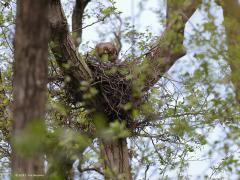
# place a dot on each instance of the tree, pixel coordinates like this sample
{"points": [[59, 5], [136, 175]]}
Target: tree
{"points": [[123, 111], [231, 15], [29, 85], [158, 61]]}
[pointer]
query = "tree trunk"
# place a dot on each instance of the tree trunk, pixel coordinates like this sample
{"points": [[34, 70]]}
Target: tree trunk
{"points": [[231, 10], [116, 159], [30, 80]]}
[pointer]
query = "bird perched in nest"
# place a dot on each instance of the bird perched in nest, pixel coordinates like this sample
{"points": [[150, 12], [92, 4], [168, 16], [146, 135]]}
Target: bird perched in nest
{"points": [[106, 51]]}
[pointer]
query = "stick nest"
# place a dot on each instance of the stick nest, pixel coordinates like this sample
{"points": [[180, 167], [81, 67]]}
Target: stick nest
{"points": [[114, 84]]}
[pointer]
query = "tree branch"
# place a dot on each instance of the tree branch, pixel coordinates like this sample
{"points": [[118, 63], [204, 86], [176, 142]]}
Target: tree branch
{"points": [[91, 169], [74, 68], [77, 20], [3, 109], [169, 47]]}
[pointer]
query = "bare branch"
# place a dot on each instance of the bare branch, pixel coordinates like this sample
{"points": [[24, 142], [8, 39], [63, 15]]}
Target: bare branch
{"points": [[102, 19], [118, 35], [6, 40], [77, 20], [91, 169]]}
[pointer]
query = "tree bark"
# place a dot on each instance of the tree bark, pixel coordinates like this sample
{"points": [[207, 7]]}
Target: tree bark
{"points": [[77, 21], [169, 47], [63, 47], [116, 159], [231, 12], [73, 67], [30, 78]]}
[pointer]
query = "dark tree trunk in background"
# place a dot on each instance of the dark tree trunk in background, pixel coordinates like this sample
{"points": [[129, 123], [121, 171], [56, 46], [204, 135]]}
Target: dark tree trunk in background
{"points": [[116, 159], [30, 76], [231, 12]]}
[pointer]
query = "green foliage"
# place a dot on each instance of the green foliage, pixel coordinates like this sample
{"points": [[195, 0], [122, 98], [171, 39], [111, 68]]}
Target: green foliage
{"points": [[88, 90], [108, 10], [116, 130], [34, 134], [64, 146], [178, 119], [112, 131]]}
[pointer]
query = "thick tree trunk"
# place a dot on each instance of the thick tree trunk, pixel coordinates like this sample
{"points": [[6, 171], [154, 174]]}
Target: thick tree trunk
{"points": [[30, 79], [116, 159], [231, 11]]}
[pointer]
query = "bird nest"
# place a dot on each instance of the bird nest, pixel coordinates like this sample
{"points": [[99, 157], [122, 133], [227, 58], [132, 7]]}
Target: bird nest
{"points": [[114, 85]]}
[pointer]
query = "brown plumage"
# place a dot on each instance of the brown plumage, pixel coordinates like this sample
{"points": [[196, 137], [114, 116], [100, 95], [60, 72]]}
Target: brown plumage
{"points": [[106, 48]]}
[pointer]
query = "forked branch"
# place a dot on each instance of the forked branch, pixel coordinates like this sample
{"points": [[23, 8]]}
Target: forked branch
{"points": [[169, 47]]}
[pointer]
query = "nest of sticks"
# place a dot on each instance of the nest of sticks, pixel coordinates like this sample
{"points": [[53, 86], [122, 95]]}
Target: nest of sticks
{"points": [[114, 85]]}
